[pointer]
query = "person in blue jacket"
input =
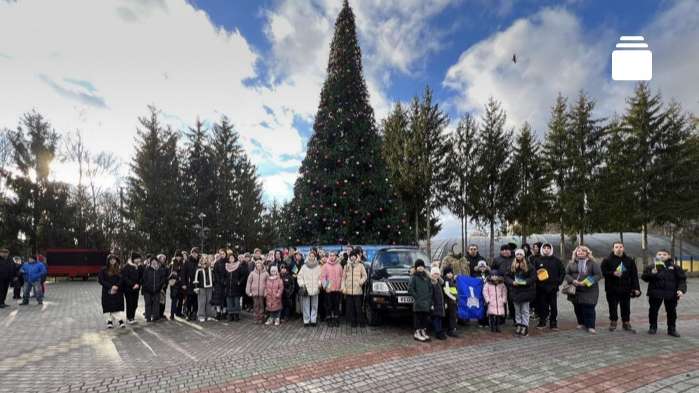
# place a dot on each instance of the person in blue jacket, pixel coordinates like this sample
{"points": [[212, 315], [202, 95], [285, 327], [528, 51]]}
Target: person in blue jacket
{"points": [[34, 273]]}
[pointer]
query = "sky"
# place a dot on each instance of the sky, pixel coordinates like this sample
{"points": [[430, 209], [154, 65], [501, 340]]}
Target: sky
{"points": [[95, 66]]}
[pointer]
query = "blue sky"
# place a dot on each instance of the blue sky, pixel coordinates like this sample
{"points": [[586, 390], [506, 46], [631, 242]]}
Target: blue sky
{"points": [[96, 65]]}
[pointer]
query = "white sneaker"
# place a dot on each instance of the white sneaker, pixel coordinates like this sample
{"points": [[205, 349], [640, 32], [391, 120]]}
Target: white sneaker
{"points": [[110, 325], [269, 321], [121, 325], [131, 321], [418, 336], [592, 331], [202, 319], [424, 335], [580, 327], [276, 322]]}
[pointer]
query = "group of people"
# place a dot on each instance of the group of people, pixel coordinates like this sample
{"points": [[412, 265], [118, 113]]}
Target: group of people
{"points": [[527, 280], [274, 287], [26, 278], [519, 284]]}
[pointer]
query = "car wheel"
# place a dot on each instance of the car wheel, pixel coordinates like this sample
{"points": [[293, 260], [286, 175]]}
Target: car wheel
{"points": [[373, 318]]}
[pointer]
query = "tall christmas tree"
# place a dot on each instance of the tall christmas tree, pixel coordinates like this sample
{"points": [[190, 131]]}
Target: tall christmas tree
{"points": [[343, 193]]}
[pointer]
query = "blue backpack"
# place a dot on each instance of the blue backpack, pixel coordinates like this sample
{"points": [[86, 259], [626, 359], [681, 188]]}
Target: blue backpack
{"points": [[469, 303]]}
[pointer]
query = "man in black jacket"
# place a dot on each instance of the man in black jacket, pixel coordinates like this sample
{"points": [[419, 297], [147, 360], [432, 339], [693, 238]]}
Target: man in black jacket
{"points": [[503, 263], [7, 273], [667, 283], [473, 257], [550, 273], [620, 283]]}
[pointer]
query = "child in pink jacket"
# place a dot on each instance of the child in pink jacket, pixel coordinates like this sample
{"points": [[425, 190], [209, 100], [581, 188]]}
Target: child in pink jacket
{"points": [[256, 288], [331, 281], [495, 297], [273, 296]]}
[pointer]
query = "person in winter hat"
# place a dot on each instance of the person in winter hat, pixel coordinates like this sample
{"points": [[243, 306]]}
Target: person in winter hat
{"points": [[175, 285], [218, 297], [154, 280], [482, 271], [495, 297], [273, 296], [450, 296], [420, 288], [331, 282], [189, 270], [437, 304], [112, 292], [132, 274], [204, 288], [353, 278], [289, 295], [521, 281], [256, 287], [502, 263], [309, 285], [457, 262], [18, 280], [620, 285], [550, 273], [667, 283]]}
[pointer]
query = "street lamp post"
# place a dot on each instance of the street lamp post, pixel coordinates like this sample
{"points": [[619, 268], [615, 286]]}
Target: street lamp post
{"points": [[202, 229]]}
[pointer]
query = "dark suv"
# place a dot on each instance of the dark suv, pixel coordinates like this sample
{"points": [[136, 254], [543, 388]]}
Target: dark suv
{"points": [[386, 291]]}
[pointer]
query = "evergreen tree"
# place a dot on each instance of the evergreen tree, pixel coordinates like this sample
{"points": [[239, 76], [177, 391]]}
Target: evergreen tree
{"points": [[556, 164], [462, 164], [493, 176], [530, 183], [583, 157], [38, 207], [198, 176], [645, 123], [615, 197], [154, 206], [343, 193]]}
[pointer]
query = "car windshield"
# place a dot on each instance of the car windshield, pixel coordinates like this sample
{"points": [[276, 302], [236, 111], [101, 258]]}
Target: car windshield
{"points": [[399, 259]]}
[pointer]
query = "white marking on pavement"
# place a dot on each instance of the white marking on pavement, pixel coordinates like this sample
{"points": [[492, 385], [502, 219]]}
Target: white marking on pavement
{"points": [[144, 343], [197, 328], [170, 343], [10, 318]]}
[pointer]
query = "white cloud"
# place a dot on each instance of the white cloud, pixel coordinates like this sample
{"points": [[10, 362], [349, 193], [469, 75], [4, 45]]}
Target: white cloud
{"points": [[96, 65], [277, 186], [555, 54]]}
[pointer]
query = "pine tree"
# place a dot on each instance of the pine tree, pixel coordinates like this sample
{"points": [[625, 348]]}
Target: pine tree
{"points": [[39, 208], [461, 167], [585, 133], [343, 193], [154, 207], [198, 175], [493, 175], [530, 183], [557, 167], [644, 124]]}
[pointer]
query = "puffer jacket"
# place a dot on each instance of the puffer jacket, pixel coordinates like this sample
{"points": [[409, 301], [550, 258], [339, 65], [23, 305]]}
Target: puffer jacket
{"points": [[33, 272], [309, 278], [495, 296], [353, 278], [420, 288], [331, 273], [274, 288], [257, 282]]}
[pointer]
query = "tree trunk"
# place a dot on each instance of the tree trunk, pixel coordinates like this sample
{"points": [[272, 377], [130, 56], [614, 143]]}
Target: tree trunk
{"points": [[429, 233], [417, 228], [524, 235], [562, 246], [582, 238], [644, 243], [621, 237], [672, 241], [491, 253], [463, 230]]}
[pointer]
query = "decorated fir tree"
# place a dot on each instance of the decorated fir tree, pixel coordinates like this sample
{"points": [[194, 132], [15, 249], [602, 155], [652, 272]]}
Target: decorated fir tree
{"points": [[343, 193]]}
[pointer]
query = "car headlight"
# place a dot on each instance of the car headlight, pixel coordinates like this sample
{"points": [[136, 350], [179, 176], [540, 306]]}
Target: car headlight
{"points": [[380, 287]]}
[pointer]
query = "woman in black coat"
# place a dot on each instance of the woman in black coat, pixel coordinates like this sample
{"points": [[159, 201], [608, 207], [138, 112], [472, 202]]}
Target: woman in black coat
{"points": [[218, 297], [112, 292], [236, 276], [131, 275], [521, 282]]}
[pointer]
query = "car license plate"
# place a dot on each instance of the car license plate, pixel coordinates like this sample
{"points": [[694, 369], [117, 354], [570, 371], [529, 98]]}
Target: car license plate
{"points": [[405, 299]]}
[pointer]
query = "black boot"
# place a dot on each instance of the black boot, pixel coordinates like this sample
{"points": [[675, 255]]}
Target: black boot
{"points": [[491, 323], [230, 318], [652, 329], [236, 316], [672, 332]]}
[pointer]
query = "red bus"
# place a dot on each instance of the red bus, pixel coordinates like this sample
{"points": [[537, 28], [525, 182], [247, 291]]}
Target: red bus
{"points": [[75, 262]]}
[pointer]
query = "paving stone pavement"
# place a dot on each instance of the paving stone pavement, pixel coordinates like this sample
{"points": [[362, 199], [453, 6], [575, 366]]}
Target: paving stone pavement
{"points": [[63, 346]]}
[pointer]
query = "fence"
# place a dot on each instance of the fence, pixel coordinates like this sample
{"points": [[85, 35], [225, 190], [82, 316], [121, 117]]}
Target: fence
{"points": [[690, 263]]}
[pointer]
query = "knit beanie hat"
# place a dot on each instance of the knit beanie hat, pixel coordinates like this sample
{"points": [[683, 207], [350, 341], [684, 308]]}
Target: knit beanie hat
{"points": [[519, 251], [419, 263]]}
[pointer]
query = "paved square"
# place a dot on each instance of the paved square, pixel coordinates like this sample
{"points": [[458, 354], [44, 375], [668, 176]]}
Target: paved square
{"points": [[63, 346]]}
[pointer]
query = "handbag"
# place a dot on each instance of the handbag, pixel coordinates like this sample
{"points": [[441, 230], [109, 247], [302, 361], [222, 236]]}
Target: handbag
{"points": [[568, 289]]}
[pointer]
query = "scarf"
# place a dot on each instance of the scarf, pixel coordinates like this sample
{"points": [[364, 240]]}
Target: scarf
{"points": [[582, 268], [231, 267]]}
